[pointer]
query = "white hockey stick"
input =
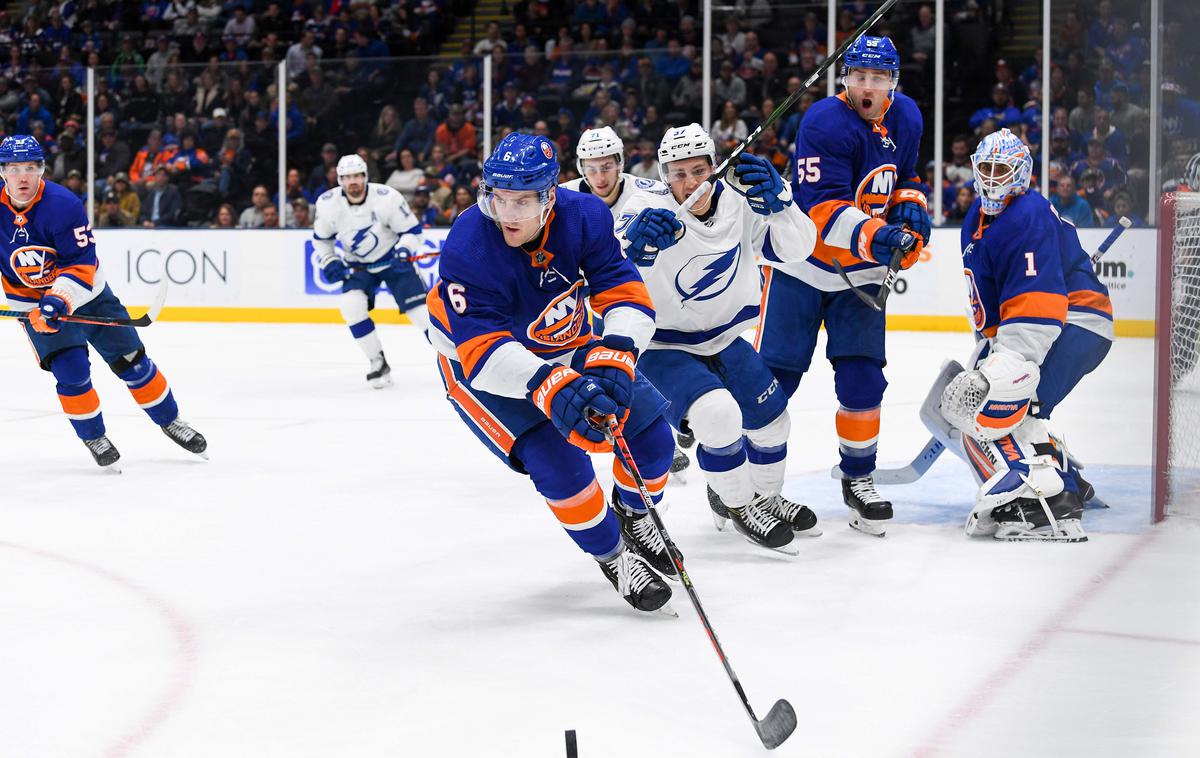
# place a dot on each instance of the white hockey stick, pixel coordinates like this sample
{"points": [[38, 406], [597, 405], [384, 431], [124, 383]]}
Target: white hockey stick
{"points": [[934, 448]]}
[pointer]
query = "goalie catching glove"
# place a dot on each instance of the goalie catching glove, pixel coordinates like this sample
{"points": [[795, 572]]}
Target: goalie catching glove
{"points": [[992, 401]]}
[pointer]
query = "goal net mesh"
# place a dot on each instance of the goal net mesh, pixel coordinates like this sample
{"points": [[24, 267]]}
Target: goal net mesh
{"points": [[1182, 224]]}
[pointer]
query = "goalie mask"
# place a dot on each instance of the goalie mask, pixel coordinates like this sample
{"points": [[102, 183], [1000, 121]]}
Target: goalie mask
{"points": [[1003, 168]]}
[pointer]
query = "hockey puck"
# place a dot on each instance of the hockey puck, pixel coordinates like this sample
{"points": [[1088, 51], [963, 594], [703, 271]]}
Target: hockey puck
{"points": [[572, 748]]}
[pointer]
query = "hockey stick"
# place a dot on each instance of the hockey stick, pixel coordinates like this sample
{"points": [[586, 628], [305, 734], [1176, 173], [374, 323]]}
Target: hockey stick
{"points": [[780, 721], [784, 107], [143, 320], [934, 448], [889, 280]]}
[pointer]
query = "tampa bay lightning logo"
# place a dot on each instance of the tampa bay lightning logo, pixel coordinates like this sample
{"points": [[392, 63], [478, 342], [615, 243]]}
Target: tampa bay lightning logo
{"points": [[364, 241], [707, 276]]}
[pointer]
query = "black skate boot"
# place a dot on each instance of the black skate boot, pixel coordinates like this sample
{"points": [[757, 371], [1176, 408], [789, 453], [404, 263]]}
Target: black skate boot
{"points": [[380, 375], [639, 533], [637, 582], [1025, 520], [869, 512], [799, 517], [104, 453], [679, 464], [684, 437], [182, 434], [754, 521]]}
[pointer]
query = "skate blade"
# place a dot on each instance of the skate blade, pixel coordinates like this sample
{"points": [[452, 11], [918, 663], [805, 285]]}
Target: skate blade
{"points": [[203, 455], [867, 526], [813, 531], [677, 477], [379, 384], [1068, 532], [720, 522], [789, 549], [112, 468], [666, 610]]}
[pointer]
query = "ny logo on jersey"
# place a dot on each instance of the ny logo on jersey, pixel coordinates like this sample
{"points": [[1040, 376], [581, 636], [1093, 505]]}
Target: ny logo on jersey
{"points": [[561, 320], [875, 190], [707, 276], [36, 266], [978, 313]]}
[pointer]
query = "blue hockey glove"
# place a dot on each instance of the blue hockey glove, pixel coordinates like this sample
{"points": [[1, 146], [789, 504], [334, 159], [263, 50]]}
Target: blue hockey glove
{"points": [[610, 363], [570, 400], [877, 242], [908, 209], [334, 271], [44, 318], [762, 185], [651, 232]]}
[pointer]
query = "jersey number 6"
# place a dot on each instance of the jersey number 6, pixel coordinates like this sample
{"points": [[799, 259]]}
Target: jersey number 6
{"points": [[808, 169], [458, 300]]}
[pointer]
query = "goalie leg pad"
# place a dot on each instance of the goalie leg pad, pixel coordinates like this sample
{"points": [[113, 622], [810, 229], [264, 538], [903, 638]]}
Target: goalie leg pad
{"points": [[1013, 472]]}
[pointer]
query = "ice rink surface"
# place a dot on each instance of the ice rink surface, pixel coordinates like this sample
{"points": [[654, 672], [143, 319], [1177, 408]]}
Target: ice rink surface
{"points": [[353, 575]]}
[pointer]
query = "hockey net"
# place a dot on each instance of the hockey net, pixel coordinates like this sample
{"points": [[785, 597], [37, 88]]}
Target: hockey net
{"points": [[1177, 347]]}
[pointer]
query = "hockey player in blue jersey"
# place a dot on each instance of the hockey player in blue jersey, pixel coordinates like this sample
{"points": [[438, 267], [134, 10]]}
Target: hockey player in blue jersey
{"points": [[524, 371], [1043, 321], [48, 267], [855, 176]]}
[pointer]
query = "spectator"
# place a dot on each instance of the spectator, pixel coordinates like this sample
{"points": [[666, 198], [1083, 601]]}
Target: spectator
{"points": [[730, 87], [190, 164], [422, 209], [142, 169], [484, 46], [111, 215], [673, 65], [68, 103], [407, 176], [1097, 158], [653, 127], [505, 113], [293, 190], [647, 165], [1060, 147], [319, 101], [962, 204], [35, 111], [1123, 207], [252, 216], [387, 130], [1116, 144], [418, 134], [689, 90], [733, 40], [301, 214], [1129, 118], [209, 96], [1093, 189], [458, 138], [156, 64], [1001, 111], [958, 169], [131, 203], [112, 155], [74, 182], [163, 202], [1070, 205], [316, 177], [242, 26], [270, 217], [140, 110], [226, 218], [651, 88], [463, 200], [728, 130]]}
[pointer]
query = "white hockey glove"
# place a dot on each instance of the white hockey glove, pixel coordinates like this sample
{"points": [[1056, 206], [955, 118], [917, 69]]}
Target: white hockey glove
{"points": [[990, 402]]}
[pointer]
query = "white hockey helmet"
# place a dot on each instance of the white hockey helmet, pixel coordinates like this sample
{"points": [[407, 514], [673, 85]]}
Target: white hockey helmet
{"points": [[348, 165], [599, 143], [682, 142]]}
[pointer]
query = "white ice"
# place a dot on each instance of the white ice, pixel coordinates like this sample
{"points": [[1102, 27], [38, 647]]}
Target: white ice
{"points": [[353, 575]]}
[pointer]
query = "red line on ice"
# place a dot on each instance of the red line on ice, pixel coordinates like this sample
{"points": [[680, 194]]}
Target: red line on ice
{"points": [[979, 698], [185, 653]]}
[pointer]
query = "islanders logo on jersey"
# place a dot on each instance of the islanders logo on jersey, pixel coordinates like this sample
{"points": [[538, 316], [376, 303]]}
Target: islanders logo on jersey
{"points": [[873, 191], [707, 276], [35, 265], [561, 321], [978, 314]]}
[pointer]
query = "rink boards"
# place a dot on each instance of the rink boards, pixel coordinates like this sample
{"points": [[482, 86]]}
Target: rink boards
{"points": [[269, 276]]}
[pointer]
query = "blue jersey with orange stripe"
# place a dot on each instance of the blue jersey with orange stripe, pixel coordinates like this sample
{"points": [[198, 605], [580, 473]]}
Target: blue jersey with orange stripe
{"points": [[503, 311], [48, 245], [846, 171], [1027, 276]]}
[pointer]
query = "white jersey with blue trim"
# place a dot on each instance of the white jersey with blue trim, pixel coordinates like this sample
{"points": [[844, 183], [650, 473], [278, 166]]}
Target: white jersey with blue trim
{"points": [[367, 231], [707, 287], [630, 186]]}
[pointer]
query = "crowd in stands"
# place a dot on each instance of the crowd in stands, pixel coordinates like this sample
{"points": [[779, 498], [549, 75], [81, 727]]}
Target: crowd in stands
{"points": [[187, 107]]}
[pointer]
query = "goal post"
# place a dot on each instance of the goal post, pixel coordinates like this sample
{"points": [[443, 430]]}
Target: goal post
{"points": [[1176, 455]]}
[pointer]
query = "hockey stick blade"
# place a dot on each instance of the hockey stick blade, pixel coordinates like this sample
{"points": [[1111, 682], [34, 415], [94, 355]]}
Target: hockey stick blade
{"points": [[905, 474], [777, 725]]}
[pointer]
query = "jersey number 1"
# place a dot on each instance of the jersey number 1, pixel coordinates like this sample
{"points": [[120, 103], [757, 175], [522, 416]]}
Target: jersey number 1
{"points": [[1030, 270]]}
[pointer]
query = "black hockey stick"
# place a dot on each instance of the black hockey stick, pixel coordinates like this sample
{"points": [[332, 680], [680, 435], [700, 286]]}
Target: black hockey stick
{"points": [[786, 105], [889, 280], [143, 320], [780, 721]]}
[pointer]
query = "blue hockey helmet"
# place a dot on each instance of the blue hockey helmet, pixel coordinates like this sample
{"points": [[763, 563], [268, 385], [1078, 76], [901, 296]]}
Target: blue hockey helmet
{"points": [[871, 52], [21, 148], [1003, 168], [520, 163]]}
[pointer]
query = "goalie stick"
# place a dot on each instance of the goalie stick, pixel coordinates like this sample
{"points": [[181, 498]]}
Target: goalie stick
{"points": [[780, 721], [144, 320], [934, 448], [783, 107]]}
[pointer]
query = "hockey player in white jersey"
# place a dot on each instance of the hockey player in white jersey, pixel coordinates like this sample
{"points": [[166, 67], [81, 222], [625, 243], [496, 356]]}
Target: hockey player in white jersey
{"points": [[378, 235], [702, 274], [600, 159]]}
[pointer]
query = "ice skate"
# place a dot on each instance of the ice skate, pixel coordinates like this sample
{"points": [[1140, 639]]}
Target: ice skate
{"points": [[380, 375], [1057, 519], [800, 518], [104, 453], [679, 464], [684, 437], [182, 434], [869, 512], [638, 584], [639, 533], [755, 521]]}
